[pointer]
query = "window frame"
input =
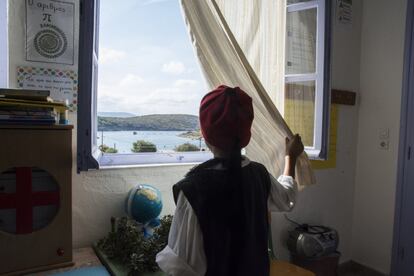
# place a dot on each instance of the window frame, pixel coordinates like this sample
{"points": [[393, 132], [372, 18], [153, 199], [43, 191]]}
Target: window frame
{"points": [[87, 151], [322, 76], [127, 160], [4, 44], [89, 156]]}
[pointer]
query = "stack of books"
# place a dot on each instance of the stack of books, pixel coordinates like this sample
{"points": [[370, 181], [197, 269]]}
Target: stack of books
{"points": [[29, 107]]}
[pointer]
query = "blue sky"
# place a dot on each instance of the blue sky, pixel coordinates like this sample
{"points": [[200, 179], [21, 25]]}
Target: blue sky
{"points": [[146, 62]]}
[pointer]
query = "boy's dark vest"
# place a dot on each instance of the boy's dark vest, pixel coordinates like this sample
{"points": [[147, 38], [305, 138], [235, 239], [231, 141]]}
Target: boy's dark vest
{"points": [[233, 220]]}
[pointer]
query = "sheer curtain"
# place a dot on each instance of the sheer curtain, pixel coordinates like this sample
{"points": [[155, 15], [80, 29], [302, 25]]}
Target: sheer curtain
{"points": [[238, 44], [259, 27]]}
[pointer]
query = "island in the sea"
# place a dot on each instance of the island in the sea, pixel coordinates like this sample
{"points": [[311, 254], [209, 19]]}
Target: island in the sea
{"points": [[191, 134], [154, 122]]}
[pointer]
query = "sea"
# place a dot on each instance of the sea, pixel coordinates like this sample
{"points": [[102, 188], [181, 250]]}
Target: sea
{"points": [[165, 141]]}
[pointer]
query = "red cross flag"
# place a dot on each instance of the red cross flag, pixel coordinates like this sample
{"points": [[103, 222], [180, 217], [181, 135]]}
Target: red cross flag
{"points": [[25, 199]]}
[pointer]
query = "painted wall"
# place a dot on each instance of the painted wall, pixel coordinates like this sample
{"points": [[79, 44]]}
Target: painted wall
{"points": [[99, 195], [330, 201], [383, 28], [17, 41], [4, 58]]}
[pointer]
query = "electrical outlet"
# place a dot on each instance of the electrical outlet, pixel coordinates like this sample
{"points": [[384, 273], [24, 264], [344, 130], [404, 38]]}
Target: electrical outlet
{"points": [[384, 133], [384, 138], [384, 144]]}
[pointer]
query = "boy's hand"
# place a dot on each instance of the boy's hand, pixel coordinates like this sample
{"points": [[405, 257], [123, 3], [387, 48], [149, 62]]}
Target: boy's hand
{"points": [[294, 146]]}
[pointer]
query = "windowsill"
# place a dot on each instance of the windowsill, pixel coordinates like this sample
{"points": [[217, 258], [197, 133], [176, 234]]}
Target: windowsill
{"points": [[156, 159], [153, 159], [313, 154]]}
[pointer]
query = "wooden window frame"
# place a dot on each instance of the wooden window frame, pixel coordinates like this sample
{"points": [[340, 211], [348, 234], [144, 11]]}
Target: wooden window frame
{"points": [[322, 76]]}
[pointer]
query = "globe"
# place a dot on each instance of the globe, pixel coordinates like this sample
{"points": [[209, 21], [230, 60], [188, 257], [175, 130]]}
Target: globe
{"points": [[144, 203]]}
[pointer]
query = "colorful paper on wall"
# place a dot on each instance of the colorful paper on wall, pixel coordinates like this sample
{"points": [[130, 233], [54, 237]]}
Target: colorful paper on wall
{"points": [[63, 84], [50, 28], [344, 11]]}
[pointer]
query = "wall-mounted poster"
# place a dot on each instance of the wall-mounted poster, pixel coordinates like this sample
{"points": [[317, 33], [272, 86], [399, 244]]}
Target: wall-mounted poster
{"points": [[50, 28], [344, 11], [62, 84]]}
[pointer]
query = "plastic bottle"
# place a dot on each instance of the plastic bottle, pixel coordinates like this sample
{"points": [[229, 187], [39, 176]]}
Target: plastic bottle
{"points": [[63, 114]]}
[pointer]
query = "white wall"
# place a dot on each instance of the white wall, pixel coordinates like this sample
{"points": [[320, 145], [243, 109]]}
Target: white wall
{"points": [[330, 201], [368, 62], [17, 41], [382, 43], [4, 53], [99, 195], [96, 195]]}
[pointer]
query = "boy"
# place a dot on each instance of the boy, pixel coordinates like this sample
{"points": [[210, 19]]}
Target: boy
{"points": [[221, 226]]}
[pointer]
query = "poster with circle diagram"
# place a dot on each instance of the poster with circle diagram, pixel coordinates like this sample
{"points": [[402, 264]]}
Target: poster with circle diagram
{"points": [[50, 31]]}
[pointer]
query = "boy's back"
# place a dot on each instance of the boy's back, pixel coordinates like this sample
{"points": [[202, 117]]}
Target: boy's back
{"points": [[232, 217], [220, 226]]}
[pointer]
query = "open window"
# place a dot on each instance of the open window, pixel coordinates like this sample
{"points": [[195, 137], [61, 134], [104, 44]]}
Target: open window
{"points": [[307, 73], [143, 107], [110, 132]]}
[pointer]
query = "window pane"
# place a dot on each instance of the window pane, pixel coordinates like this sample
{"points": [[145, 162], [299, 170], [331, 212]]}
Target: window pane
{"points": [[150, 85], [300, 109], [296, 1], [301, 41]]}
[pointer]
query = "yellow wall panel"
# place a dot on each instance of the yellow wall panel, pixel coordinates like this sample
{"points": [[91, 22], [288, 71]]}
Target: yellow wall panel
{"points": [[333, 129], [299, 115]]}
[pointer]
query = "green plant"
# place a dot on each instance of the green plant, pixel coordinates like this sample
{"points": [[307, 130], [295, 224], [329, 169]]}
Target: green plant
{"points": [[106, 149], [126, 244], [143, 146], [187, 147]]}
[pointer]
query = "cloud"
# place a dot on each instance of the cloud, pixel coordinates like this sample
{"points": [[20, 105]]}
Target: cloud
{"points": [[150, 2], [131, 80], [136, 95], [184, 83], [173, 67], [108, 55]]}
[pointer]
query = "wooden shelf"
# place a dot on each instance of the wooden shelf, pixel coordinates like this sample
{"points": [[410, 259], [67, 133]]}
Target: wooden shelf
{"points": [[48, 148]]}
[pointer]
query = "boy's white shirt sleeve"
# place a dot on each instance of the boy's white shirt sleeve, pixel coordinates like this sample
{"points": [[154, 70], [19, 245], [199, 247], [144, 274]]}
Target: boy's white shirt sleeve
{"points": [[283, 192], [184, 255]]}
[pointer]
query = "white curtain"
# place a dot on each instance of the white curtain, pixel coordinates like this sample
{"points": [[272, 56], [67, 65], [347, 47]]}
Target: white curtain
{"points": [[238, 43], [259, 28]]}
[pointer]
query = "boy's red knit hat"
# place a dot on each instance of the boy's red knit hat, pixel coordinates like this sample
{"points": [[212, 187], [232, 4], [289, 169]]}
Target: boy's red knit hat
{"points": [[226, 116]]}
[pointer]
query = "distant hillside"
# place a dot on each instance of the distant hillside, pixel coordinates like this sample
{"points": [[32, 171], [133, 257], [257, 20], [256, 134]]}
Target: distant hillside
{"points": [[116, 114], [178, 122]]}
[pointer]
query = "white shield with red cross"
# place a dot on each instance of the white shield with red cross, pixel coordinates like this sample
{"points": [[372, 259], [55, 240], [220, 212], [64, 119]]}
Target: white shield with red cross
{"points": [[29, 200]]}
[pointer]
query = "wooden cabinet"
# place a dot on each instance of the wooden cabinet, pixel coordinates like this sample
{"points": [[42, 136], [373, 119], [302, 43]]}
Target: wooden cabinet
{"points": [[35, 198]]}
